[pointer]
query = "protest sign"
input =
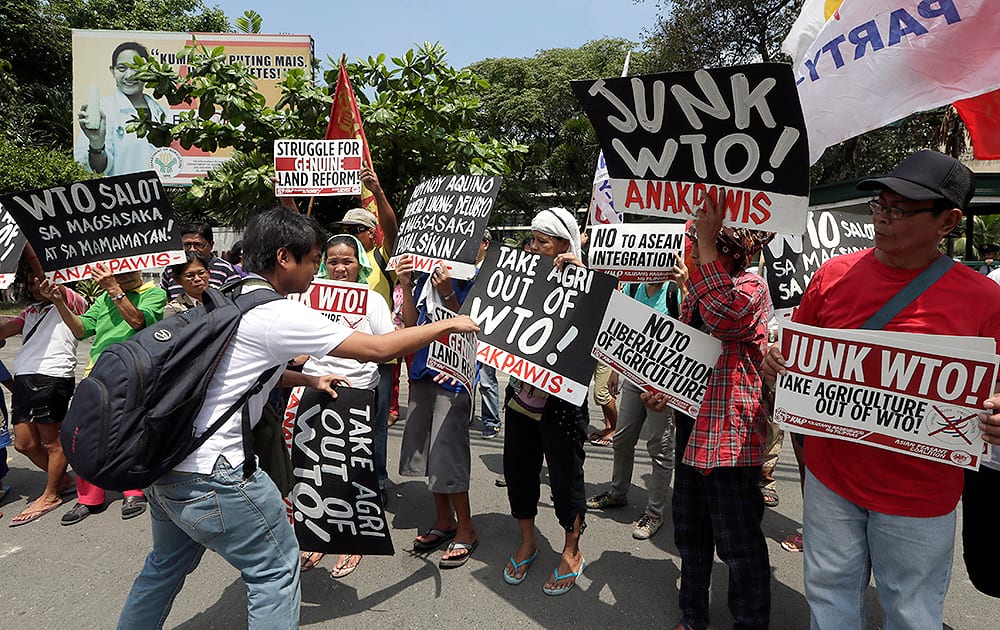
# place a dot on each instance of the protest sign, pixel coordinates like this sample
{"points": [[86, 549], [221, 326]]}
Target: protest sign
{"points": [[98, 86], [735, 134], [791, 260], [445, 221], [657, 352], [636, 252], [321, 168], [920, 395], [538, 323], [11, 245], [343, 302], [336, 505], [453, 354], [125, 222]]}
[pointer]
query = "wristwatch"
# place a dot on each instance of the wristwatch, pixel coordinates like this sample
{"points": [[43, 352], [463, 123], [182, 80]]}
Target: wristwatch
{"points": [[120, 296]]}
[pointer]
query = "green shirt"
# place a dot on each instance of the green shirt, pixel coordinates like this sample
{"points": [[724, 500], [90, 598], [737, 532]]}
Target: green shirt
{"points": [[105, 323]]}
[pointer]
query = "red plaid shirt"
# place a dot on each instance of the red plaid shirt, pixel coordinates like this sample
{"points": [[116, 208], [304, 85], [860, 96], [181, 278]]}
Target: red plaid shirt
{"points": [[730, 429]]}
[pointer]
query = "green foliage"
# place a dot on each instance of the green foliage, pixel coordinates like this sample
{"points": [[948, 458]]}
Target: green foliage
{"points": [[89, 289], [419, 119], [530, 101], [29, 168], [249, 22]]}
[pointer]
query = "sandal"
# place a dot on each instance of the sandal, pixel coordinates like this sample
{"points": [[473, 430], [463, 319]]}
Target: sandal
{"points": [[456, 561], [607, 440], [440, 537], [309, 559], [792, 543], [28, 515], [344, 566], [770, 496], [558, 578], [511, 578]]}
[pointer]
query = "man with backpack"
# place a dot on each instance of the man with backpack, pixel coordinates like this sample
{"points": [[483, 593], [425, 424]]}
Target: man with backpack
{"points": [[665, 298], [208, 501]]}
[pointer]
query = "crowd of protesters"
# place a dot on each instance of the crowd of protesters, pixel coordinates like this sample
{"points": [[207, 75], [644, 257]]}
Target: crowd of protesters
{"points": [[866, 511]]}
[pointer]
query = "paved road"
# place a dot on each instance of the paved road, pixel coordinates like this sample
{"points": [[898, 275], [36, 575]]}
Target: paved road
{"points": [[59, 577]]}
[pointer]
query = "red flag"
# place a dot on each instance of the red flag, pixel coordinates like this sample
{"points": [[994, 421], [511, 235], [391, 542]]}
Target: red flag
{"points": [[981, 116], [345, 124]]}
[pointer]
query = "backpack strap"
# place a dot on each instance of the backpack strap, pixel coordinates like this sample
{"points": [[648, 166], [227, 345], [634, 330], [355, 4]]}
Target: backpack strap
{"points": [[25, 338], [673, 304], [907, 294], [382, 263], [633, 289]]}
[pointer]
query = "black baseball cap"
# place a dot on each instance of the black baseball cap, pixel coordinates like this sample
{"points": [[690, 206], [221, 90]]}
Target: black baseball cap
{"points": [[928, 175]]}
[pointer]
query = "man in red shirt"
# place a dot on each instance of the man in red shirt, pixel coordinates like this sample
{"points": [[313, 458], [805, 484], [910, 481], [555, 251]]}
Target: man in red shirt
{"points": [[867, 510]]}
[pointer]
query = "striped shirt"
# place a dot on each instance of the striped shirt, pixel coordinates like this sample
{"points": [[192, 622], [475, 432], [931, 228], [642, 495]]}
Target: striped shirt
{"points": [[220, 273], [730, 429]]}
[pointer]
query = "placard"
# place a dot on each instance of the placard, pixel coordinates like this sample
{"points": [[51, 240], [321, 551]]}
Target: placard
{"points": [[337, 507], [320, 168], [445, 221], [125, 222], [919, 395], [636, 252], [538, 323], [341, 302], [791, 260], [736, 134], [11, 245], [453, 354], [657, 352]]}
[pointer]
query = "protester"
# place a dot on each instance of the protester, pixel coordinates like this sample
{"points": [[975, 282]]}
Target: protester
{"points": [[128, 305], [205, 502], [44, 379], [5, 379], [234, 257], [109, 147], [605, 396], [870, 511], [665, 298], [489, 394], [539, 425], [436, 435], [344, 262], [193, 276], [989, 253], [197, 237], [717, 504]]}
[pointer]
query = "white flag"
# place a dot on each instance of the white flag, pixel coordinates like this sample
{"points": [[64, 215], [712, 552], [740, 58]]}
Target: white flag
{"points": [[880, 60]]}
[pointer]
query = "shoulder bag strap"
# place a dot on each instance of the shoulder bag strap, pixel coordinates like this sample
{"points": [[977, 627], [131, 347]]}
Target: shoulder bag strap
{"points": [[909, 293], [25, 338]]}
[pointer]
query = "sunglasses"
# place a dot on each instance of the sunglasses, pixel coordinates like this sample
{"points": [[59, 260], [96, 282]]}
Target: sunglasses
{"points": [[354, 230]]}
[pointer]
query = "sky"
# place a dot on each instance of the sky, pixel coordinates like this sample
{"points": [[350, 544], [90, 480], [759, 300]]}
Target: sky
{"points": [[470, 30]]}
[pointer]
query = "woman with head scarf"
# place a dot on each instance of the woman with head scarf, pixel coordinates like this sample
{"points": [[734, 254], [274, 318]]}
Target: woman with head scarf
{"points": [[539, 425]]}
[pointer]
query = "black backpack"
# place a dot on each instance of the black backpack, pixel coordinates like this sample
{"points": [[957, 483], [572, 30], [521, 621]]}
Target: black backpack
{"points": [[132, 418]]}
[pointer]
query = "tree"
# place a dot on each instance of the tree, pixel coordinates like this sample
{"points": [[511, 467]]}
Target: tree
{"points": [[530, 101], [417, 119]]}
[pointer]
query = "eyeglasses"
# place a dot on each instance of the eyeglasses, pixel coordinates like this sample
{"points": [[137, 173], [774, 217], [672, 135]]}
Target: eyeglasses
{"points": [[893, 212], [352, 229], [192, 275], [194, 245]]}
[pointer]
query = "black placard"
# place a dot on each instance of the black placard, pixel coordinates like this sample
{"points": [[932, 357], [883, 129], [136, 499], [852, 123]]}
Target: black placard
{"points": [[337, 507], [538, 323], [124, 221], [792, 260], [735, 133], [445, 221], [11, 245]]}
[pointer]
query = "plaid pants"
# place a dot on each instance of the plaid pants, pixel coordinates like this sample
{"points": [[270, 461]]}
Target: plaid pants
{"points": [[720, 511]]}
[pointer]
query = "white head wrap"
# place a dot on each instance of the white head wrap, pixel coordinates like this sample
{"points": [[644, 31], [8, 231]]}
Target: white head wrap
{"points": [[560, 223]]}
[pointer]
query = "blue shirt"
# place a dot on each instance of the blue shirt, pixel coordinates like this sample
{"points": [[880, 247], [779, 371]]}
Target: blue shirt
{"points": [[657, 301]]}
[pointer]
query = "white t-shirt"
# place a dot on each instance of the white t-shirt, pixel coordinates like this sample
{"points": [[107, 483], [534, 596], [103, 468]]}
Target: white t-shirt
{"points": [[361, 375], [268, 335], [994, 276], [126, 152], [51, 349]]}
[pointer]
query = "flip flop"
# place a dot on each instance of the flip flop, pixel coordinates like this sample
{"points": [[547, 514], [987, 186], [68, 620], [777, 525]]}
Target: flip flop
{"points": [[513, 579], [441, 537], [20, 519], [309, 559], [455, 562], [557, 578], [340, 571], [605, 441], [793, 543]]}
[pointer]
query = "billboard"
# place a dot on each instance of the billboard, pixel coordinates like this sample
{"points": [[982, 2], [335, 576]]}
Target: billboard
{"points": [[105, 97]]}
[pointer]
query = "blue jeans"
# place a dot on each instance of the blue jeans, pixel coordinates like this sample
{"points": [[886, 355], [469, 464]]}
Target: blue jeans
{"points": [[845, 544], [242, 521], [490, 395]]}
